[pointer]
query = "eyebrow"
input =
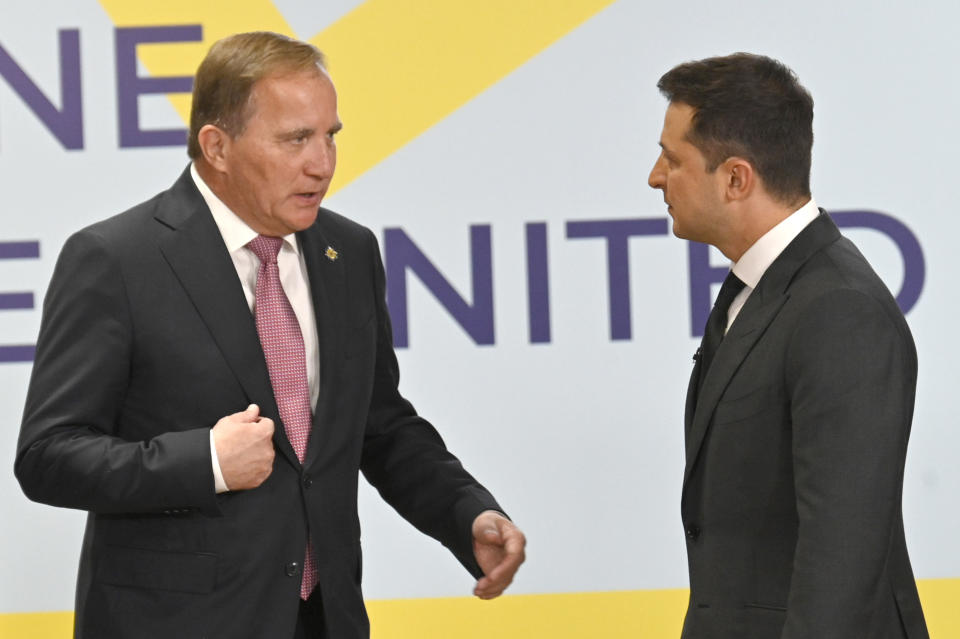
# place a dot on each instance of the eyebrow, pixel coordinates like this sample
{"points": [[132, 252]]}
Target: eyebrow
{"points": [[296, 133], [307, 132]]}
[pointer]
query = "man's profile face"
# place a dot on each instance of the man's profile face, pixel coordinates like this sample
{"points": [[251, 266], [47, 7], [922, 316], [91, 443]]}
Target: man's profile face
{"points": [[693, 196], [280, 166]]}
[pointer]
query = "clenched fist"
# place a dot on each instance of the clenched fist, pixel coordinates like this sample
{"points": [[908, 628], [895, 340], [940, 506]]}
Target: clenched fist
{"points": [[244, 444]]}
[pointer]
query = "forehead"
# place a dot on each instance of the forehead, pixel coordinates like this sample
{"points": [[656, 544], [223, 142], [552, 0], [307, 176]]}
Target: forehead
{"points": [[295, 91], [677, 122]]}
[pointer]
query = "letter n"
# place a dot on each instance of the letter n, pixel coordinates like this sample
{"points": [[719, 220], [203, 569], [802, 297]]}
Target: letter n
{"points": [[401, 254], [65, 123]]}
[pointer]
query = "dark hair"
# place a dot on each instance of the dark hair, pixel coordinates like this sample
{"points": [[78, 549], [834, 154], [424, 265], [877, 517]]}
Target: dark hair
{"points": [[225, 79], [749, 106]]}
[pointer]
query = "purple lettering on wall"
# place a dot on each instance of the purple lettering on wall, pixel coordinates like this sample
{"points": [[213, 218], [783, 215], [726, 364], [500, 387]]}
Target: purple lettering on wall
{"points": [[10, 301], [19, 250], [65, 123], [10, 353], [131, 86], [702, 276], [617, 233], [914, 266], [538, 283], [400, 254]]}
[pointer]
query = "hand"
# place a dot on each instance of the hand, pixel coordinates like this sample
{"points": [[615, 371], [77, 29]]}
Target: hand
{"points": [[244, 444], [498, 546]]}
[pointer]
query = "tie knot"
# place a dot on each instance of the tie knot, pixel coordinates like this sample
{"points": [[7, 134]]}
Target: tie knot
{"points": [[731, 286], [266, 248]]}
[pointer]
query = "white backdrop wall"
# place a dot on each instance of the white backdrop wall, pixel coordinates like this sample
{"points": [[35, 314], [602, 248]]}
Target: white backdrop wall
{"points": [[579, 435]]}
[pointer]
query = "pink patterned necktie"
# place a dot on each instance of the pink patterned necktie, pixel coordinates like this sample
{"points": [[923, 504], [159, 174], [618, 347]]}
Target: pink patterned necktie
{"points": [[283, 349]]}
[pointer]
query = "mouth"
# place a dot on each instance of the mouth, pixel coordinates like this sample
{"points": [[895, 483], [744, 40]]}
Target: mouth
{"points": [[309, 198]]}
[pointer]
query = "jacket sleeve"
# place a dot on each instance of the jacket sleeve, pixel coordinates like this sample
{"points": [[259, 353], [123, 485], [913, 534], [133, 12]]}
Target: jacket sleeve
{"points": [[71, 452], [405, 459], [851, 371]]}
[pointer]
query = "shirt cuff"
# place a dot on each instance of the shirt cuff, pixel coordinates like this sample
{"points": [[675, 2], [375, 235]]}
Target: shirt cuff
{"points": [[218, 479]]}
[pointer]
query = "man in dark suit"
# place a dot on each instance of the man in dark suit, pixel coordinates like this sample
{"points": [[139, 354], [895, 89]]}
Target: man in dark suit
{"points": [[215, 365], [797, 419]]}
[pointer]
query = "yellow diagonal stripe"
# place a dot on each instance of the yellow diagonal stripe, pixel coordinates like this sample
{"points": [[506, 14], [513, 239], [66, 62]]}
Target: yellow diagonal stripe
{"points": [[635, 614], [219, 18], [400, 66]]}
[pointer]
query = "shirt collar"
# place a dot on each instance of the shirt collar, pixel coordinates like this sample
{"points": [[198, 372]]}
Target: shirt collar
{"points": [[754, 263], [236, 233]]}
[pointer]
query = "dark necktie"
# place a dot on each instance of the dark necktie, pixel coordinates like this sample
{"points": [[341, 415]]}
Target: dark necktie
{"points": [[282, 344], [717, 322]]}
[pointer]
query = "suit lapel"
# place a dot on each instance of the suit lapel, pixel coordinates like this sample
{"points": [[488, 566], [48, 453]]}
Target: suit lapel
{"points": [[749, 326], [693, 387], [196, 253], [328, 291], [762, 307]]}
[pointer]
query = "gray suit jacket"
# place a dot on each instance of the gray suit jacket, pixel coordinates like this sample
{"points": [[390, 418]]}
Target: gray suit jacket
{"points": [[795, 442], [146, 341]]}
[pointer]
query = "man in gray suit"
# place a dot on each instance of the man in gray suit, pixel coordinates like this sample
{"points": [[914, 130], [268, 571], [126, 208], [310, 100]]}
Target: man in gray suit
{"points": [[801, 398]]}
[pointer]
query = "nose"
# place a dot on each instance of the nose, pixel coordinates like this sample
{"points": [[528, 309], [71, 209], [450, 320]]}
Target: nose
{"points": [[656, 178], [323, 159]]}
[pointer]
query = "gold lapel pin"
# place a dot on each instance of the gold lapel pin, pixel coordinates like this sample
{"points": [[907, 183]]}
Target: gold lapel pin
{"points": [[331, 254]]}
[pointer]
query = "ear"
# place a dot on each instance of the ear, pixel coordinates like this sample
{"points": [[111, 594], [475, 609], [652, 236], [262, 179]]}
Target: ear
{"points": [[214, 145], [740, 178]]}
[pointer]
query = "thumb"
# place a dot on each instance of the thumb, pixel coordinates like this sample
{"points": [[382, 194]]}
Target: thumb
{"points": [[490, 535], [251, 413], [487, 527]]}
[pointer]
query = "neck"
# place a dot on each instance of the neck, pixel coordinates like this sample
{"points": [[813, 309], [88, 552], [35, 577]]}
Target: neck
{"points": [[218, 183], [756, 217], [212, 178]]}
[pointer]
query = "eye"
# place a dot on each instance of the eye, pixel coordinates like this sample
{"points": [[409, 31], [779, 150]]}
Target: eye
{"points": [[298, 137]]}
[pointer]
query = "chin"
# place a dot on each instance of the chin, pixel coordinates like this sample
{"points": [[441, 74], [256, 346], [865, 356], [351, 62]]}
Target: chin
{"points": [[678, 232], [304, 219]]}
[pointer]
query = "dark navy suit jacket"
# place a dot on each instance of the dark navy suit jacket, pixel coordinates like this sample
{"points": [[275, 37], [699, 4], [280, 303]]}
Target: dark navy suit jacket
{"points": [[146, 341], [796, 439]]}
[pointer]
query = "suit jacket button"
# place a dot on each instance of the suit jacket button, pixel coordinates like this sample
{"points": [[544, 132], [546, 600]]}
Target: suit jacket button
{"points": [[292, 569], [307, 481], [693, 531]]}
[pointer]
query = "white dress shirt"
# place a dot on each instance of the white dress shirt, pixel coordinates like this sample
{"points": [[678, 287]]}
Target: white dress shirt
{"points": [[757, 259], [293, 277]]}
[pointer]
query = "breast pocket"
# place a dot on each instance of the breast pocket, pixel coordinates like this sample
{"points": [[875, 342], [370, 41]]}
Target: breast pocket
{"points": [[744, 406]]}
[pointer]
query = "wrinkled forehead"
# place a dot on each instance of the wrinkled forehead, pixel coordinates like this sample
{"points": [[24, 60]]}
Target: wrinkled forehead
{"points": [[293, 73], [286, 82]]}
